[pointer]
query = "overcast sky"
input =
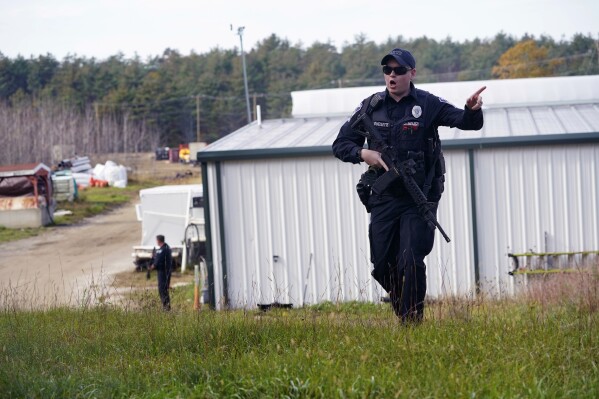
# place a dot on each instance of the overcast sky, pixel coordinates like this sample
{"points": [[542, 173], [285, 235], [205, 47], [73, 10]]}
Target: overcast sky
{"points": [[100, 28]]}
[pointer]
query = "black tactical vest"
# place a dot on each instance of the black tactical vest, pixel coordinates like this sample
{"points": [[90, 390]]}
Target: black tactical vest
{"points": [[406, 134], [409, 137]]}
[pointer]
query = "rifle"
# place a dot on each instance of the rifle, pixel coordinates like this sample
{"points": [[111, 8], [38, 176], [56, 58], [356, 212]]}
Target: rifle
{"points": [[149, 268], [403, 170]]}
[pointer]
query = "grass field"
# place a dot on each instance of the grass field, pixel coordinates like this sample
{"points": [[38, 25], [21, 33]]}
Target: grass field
{"points": [[543, 345], [7, 234]]}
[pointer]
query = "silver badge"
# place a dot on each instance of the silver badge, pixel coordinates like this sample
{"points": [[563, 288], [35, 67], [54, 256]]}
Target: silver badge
{"points": [[416, 111]]}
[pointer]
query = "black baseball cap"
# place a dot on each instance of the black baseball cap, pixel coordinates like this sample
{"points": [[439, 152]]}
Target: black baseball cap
{"points": [[403, 57]]}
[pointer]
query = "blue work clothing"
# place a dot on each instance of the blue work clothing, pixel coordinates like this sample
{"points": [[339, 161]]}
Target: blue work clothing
{"points": [[163, 262]]}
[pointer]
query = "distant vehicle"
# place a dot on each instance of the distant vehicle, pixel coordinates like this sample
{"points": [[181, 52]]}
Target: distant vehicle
{"points": [[194, 148], [177, 212], [162, 153], [184, 155]]}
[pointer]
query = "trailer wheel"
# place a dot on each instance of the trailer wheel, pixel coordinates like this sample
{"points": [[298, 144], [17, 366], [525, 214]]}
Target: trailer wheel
{"points": [[142, 265], [194, 247]]}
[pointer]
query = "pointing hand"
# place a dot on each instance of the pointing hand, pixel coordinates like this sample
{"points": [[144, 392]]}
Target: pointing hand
{"points": [[475, 101]]}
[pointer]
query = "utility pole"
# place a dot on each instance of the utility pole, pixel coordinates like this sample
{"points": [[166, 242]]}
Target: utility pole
{"points": [[198, 118], [245, 77]]}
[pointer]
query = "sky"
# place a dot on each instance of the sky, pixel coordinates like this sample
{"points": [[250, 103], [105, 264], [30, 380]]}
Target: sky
{"points": [[100, 28]]}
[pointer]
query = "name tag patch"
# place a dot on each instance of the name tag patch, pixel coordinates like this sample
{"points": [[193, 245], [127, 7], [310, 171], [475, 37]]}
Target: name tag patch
{"points": [[410, 127], [381, 124]]}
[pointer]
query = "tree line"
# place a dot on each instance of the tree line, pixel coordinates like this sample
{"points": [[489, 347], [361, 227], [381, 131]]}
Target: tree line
{"points": [[129, 104]]}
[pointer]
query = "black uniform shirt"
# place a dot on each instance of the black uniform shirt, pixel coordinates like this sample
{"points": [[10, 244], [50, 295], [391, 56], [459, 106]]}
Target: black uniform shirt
{"points": [[398, 109], [437, 112], [163, 258]]}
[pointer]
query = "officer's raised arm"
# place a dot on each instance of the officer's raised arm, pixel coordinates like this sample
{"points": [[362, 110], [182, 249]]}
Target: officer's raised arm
{"points": [[469, 118]]}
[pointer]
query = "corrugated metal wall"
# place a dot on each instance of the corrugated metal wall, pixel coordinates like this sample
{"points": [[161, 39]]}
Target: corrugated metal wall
{"points": [[213, 230], [539, 199], [450, 267], [296, 232]]}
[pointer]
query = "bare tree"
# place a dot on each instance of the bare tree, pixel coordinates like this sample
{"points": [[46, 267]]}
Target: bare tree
{"points": [[30, 129]]}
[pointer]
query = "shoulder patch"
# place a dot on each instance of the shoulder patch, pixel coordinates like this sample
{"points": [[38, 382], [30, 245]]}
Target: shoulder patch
{"points": [[441, 99], [356, 111]]}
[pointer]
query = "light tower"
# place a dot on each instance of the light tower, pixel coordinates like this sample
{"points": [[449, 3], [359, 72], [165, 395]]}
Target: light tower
{"points": [[245, 77]]}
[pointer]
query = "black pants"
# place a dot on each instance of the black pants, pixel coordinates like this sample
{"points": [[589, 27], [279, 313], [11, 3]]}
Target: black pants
{"points": [[400, 239], [164, 282]]}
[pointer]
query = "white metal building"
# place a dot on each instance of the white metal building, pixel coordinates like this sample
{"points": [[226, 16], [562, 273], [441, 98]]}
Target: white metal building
{"points": [[284, 224]]}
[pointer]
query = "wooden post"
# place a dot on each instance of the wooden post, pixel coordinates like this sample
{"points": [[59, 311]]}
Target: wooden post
{"points": [[196, 287], [33, 180]]}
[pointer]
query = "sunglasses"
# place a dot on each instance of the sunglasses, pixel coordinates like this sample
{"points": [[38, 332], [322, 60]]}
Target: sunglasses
{"points": [[400, 70]]}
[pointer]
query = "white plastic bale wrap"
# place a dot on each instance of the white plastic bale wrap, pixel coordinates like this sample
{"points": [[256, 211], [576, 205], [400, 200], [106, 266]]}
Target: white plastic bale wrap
{"points": [[115, 175], [98, 172]]}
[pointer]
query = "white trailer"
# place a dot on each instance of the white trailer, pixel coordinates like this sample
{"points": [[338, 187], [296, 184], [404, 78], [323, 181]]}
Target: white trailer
{"points": [[177, 212]]}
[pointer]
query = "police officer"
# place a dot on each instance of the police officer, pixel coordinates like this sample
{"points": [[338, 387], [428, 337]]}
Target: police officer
{"points": [[163, 263], [407, 118]]}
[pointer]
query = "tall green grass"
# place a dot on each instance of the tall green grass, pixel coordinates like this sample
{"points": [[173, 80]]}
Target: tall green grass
{"points": [[530, 347], [9, 234]]}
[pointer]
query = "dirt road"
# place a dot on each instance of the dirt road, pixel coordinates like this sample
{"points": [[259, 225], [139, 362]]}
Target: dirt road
{"points": [[71, 265]]}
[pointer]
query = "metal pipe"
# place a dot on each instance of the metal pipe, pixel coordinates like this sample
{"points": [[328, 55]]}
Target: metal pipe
{"points": [[245, 77], [259, 115], [208, 232], [475, 246], [221, 228]]}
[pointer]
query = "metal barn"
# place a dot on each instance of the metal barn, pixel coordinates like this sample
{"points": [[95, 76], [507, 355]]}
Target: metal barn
{"points": [[284, 224]]}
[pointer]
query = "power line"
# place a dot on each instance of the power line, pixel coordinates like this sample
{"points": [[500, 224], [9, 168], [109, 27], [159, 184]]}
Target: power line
{"points": [[190, 98]]}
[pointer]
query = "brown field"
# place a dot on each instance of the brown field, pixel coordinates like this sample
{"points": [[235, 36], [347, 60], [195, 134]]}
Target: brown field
{"points": [[144, 166]]}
